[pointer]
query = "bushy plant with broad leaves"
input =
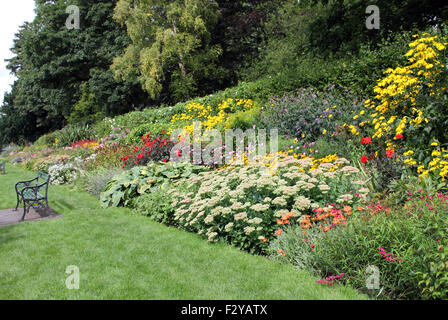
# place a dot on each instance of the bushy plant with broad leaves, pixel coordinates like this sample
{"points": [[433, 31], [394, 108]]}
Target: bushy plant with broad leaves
{"points": [[123, 188]]}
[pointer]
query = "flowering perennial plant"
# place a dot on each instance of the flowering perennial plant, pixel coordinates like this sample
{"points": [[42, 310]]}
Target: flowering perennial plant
{"points": [[408, 111], [388, 256], [86, 144], [63, 173], [308, 114], [247, 206], [151, 149], [330, 280], [211, 117], [118, 135], [332, 215]]}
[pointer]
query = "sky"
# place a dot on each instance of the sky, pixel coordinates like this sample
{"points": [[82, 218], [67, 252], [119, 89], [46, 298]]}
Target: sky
{"points": [[13, 13]]}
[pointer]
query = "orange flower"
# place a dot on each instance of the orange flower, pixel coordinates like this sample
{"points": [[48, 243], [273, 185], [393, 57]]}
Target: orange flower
{"points": [[286, 222], [265, 240], [279, 232], [284, 254], [360, 208], [306, 226], [287, 216], [347, 209], [279, 222], [279, 250]]}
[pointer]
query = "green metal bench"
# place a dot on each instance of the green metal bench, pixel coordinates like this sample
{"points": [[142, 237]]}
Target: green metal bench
{"points": [[3, 167], [33, 193]]}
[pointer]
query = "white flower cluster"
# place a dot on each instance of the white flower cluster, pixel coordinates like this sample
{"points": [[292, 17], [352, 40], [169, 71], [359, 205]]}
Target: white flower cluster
{"points": [[63, 173], [241, 203]]}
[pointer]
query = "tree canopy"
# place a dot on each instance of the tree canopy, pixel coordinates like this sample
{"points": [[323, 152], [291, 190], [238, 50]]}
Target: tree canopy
{"points": [[171, 47], [52, 64]]}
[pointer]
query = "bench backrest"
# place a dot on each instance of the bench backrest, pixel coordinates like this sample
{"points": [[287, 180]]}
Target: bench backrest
{"points": [[44, 180], [42, 177]]}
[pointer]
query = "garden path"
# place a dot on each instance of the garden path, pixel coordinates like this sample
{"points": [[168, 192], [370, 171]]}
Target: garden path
{"points": [[9, 216]]}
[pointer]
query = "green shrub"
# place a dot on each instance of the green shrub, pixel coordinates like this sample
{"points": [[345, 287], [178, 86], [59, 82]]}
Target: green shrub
{"points": [[108, 157], [47, 140], [243, 119], [123, 188], [434, 281], [297, 251], [290, 52], [156, 205], [136, 134], [71, 134], [359, 71], [308, 114]]}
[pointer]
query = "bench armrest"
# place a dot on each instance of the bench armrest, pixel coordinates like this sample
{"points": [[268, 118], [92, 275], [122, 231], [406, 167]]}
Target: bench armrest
{"points": [[23, 184], [35, 189]]}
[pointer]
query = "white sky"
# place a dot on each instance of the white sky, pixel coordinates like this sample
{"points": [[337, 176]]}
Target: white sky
{"points": [[13, 13]]}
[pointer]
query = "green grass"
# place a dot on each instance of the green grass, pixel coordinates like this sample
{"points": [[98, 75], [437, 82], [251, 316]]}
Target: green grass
{"points": [[122, 255]]}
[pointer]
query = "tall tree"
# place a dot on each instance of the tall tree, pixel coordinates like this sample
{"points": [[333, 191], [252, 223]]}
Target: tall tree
{"points": [[52, 64], [16, 126], [171, 52]]}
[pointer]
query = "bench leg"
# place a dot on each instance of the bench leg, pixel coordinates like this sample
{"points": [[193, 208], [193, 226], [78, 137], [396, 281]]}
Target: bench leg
{"points": [[18, 202], [25, 211]]}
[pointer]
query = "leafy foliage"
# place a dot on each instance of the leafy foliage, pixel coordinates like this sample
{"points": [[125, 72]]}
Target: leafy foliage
{"points": [[123, 188], [307, 114], [407, 245], [171, 49], [59, 68]]}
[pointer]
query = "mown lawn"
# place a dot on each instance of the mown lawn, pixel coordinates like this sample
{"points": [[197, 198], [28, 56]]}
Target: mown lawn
{"points": [[122, 255]]}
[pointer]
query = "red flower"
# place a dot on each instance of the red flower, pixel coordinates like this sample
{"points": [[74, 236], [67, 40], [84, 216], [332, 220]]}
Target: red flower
{"points": [[390, 153], [364, 159], [399, 136], [366, 140]]}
